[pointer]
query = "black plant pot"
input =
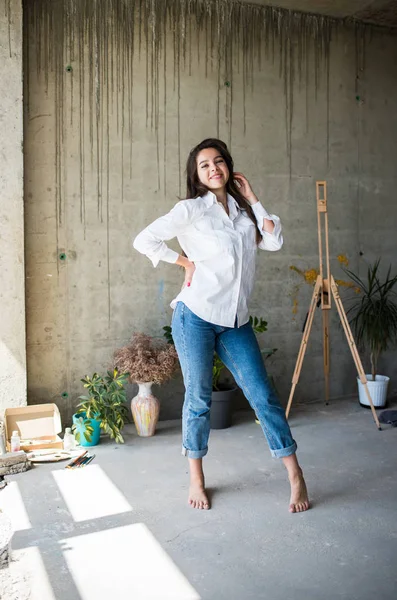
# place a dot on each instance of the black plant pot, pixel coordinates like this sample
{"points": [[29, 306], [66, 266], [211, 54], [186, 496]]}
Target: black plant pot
{"points": [[222, 408]]}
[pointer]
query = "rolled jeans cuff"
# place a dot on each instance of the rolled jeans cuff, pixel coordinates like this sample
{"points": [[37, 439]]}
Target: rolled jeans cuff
{"points": [[194, 453], [283, 452]]}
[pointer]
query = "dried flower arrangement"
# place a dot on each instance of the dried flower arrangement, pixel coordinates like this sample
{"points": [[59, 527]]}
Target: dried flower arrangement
{"points": [[146, 359]]}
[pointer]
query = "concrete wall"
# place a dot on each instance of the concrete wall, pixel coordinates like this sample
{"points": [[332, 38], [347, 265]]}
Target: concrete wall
{"points": [[87, 290], [12, 286]]}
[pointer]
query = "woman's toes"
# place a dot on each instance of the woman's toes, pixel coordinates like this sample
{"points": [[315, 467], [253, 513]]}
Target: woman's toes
{"points": [[299, 507], [197, 497]]}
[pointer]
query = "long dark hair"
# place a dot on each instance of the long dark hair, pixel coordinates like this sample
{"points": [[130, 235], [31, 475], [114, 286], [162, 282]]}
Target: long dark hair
{"points": [[195, 188]]}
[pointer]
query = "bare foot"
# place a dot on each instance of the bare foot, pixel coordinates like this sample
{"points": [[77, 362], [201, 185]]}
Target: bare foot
{"points": [[299, 501], [197, 496]]}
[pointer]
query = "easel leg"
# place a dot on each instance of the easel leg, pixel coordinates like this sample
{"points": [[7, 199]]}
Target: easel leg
{"points": [[353, 347], [303, 345], [326, 352]]}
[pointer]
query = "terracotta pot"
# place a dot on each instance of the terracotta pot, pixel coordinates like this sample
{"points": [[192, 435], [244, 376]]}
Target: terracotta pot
{"points": [[145, 410]]}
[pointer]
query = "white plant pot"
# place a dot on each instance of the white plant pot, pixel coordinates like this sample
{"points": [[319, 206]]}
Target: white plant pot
{"points": [[377, 390]]}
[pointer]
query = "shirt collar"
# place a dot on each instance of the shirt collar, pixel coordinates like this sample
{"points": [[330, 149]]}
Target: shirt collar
{"points": [[210, 199]]}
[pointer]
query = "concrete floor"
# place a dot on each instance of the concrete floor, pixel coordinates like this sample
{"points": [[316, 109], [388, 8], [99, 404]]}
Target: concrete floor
{"points": [[121, 527]]}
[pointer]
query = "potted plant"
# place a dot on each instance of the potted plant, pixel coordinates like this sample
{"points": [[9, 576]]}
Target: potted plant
{"points": [[146, 360], [373, 316], [223, 392], [102, 408]]}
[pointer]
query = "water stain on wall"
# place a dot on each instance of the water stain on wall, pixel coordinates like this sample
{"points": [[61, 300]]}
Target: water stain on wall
{"points": [[104, 39]]}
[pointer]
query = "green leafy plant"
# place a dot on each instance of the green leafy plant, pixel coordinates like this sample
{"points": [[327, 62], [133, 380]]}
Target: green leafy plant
{"points": [[217, 368], [168, 334], [373, 312], [82, 426], [105, 401], [259, 325]]}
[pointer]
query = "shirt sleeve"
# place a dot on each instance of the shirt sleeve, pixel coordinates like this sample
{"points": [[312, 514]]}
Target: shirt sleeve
{"points": [[151, 240], [270, 241]]}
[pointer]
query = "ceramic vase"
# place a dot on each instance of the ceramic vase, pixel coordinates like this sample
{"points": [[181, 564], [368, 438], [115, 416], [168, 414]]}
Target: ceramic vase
{"points": [[145, 408]]}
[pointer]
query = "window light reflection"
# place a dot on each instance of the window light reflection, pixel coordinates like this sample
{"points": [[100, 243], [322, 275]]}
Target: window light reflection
{"points": [[89, 493]]}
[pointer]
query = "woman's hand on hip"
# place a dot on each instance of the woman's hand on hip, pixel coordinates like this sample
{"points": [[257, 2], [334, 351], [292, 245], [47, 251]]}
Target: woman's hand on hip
{"points": [[189, 271], [245, 188], [189, 267]]}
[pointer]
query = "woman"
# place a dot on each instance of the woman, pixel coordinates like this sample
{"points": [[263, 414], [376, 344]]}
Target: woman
{"points": [[219, 228]]}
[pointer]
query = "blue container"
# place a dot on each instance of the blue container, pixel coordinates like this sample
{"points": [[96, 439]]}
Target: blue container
{"points": [[95, 424]]}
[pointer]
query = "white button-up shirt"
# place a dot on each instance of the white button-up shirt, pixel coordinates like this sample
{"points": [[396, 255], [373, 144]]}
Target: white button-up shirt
{"points": [[223, 249]]}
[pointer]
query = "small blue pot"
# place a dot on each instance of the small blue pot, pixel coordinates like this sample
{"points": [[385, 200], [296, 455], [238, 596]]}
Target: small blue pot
{"points": [[95, 424]]}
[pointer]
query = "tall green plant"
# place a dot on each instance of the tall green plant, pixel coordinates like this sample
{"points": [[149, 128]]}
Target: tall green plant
{"points": [[105, 401], [217, 368], [373, 312]]}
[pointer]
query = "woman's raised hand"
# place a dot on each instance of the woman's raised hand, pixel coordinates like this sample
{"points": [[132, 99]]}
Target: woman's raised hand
{"points": [[245, 188]]}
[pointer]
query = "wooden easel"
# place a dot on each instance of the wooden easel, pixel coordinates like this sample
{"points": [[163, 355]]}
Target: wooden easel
{"points": [[323, 288]]}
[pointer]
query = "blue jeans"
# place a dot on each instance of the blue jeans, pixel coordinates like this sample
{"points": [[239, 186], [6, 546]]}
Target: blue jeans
{"points": [[195, 341]]}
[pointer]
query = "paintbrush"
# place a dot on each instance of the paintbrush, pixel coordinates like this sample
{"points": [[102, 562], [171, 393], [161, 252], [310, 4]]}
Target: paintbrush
{"points": [[76, 461], [86, 460], [80, 460], [83, 461]]}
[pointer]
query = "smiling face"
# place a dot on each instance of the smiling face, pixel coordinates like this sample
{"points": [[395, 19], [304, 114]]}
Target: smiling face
{"points": [[212, 170]]}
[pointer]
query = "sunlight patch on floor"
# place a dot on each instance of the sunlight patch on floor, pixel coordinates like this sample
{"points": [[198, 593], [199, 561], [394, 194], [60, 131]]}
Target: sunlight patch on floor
{"points": [[89, 493], [26, 577], [12, 505], [124, 562]]}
